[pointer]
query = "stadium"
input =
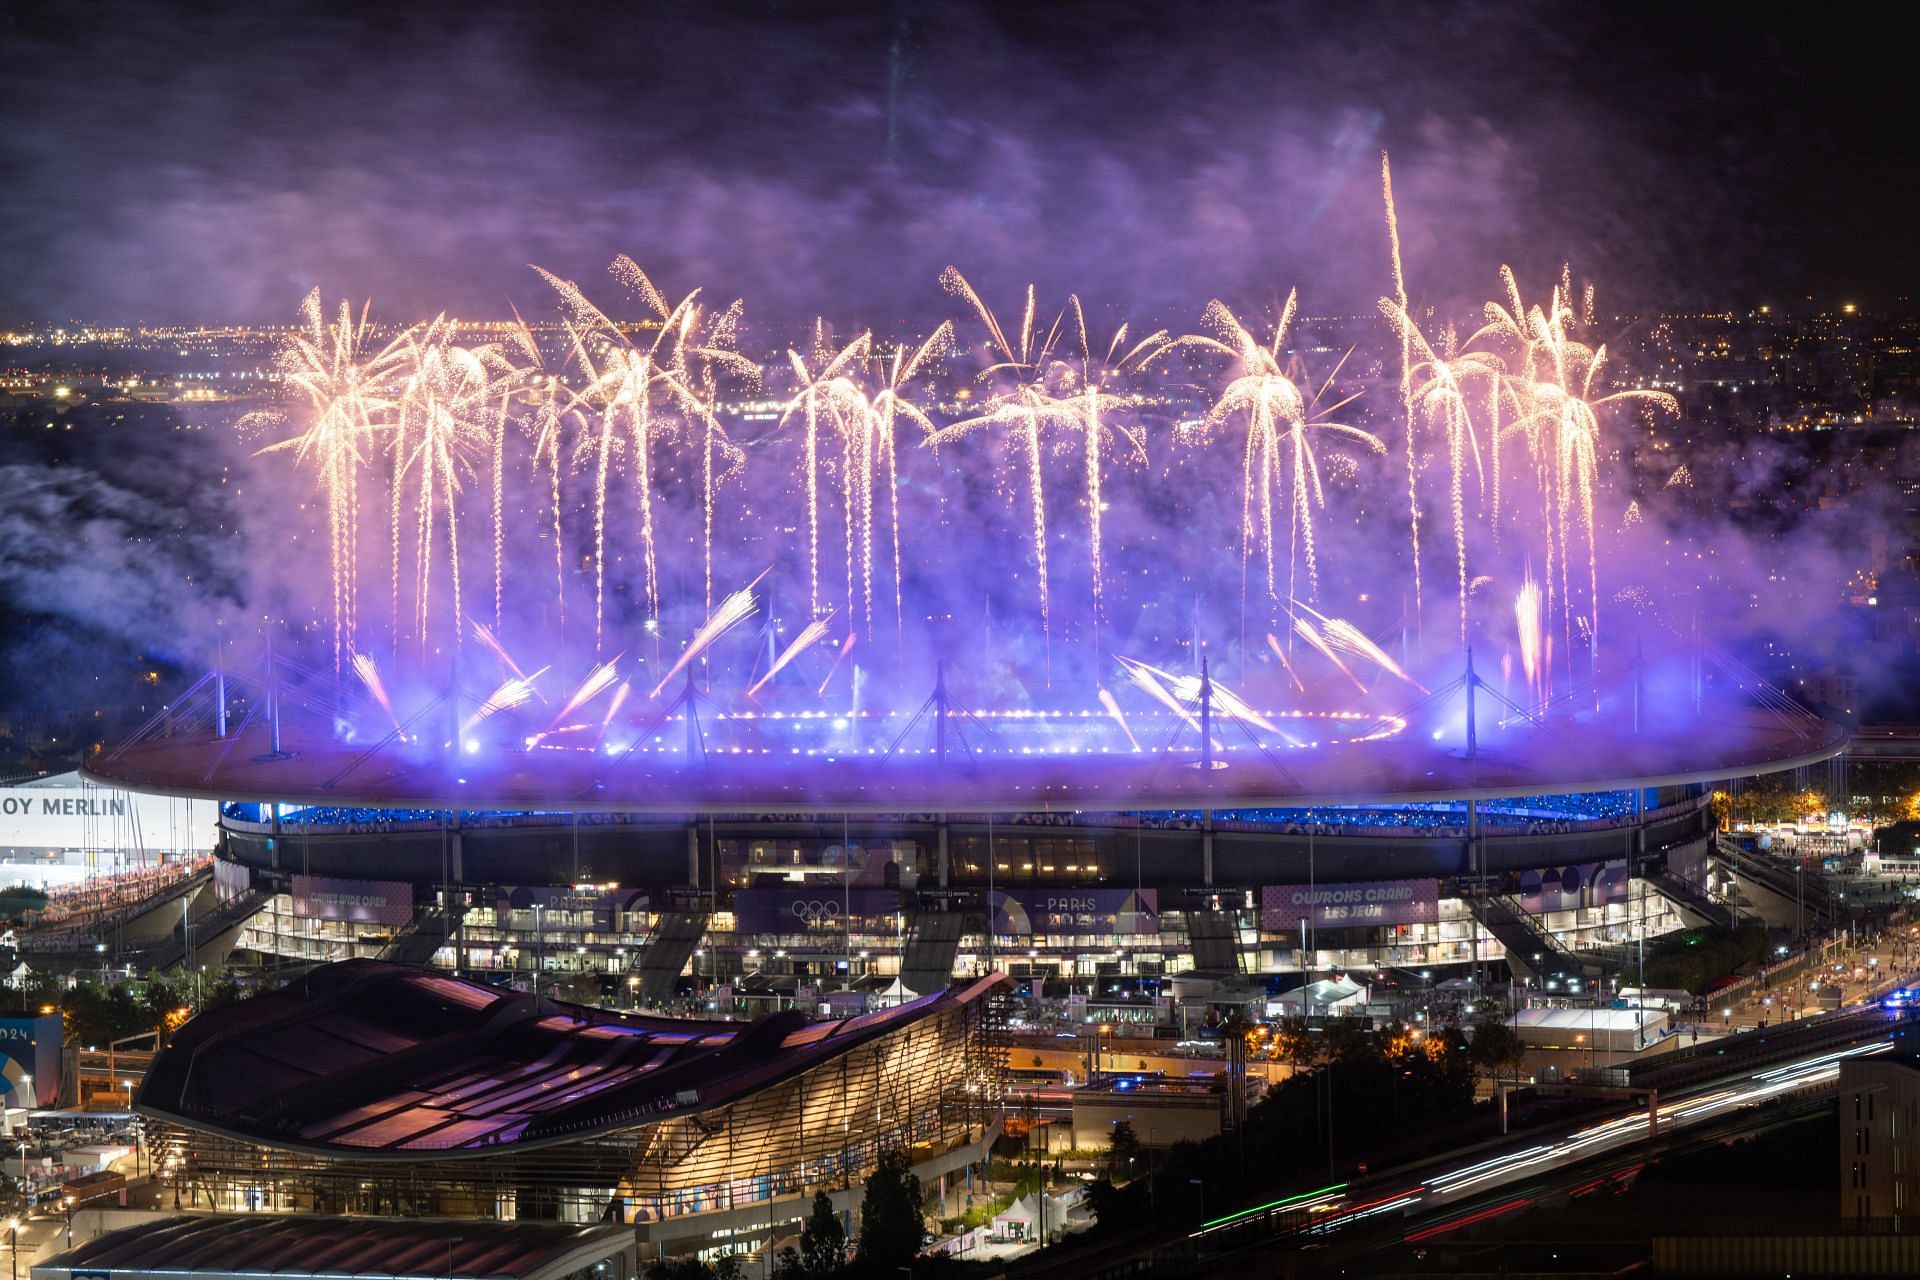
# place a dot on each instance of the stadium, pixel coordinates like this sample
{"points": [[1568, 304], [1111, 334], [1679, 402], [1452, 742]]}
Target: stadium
{"points": [[702, 862], [1143, 684], [371, 1089]]}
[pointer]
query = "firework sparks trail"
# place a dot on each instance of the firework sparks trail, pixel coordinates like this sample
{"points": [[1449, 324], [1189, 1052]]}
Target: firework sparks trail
{"points": [[1439, 385], [827, 394], [1305, 630], [549, 424], [484, 634], [1528, 617], [1092, 411], [590, 688], [1286, 664], [810, 635], [886, 410], [1277, 441], [1406, 375], [363, 666], [1514, 413], [1026, 406], [1148, 682], [735, 609], [345, 389], [1224, 700], [646, 393], [845, 648], [1119, 718], [617, 701], [510, 694], [1343, 635]]}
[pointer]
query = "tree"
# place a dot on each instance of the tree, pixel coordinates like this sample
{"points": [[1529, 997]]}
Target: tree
{"points": [[1293, 1041], [1347, 1039], [1125, 1160], [1497, 1048], [823, 1242], [891, 1228]]}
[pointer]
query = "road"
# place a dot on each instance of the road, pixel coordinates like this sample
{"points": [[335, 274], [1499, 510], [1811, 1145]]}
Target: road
{"points": [[1713, 1094], [1450, 1195]]}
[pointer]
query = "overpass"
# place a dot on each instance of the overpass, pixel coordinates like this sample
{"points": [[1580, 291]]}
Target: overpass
{"points": [[183, 923]]}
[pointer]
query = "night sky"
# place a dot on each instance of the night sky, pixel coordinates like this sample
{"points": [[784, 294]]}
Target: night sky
{"points": [[172, 162]]}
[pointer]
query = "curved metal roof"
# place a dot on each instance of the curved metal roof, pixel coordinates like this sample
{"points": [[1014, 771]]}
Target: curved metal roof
{"points": [[342, 1248], [375, 1060]]}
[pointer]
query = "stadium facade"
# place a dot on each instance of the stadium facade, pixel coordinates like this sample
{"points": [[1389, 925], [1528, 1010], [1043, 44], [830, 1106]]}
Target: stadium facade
{"points": [[766, 909]]}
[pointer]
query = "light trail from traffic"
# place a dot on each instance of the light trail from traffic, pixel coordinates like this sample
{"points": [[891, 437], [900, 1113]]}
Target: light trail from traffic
{"points": [[1336, 1207]]}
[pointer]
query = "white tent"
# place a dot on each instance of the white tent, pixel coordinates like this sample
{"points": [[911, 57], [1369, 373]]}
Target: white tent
{"points": [[896, 992], [1607, 1030], [1323, 996]]}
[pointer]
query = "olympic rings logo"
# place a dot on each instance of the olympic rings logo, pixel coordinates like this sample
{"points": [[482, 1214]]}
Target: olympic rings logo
{"points": [[815, 911]]}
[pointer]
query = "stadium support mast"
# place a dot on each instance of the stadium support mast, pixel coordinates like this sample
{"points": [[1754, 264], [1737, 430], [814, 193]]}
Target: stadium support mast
{"points": [[220, 689], [1473, 684], [1206, 719], [273, 702], [940, 712]]}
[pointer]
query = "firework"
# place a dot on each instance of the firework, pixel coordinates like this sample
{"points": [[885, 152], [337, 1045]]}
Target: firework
{"points": [[510, 694], [593, 686], [846, 648], [363, 666], [735, 609], [1528, 620], [1276, 446], [1306, 631], [810, 635], [1026, 405], [1113, 709], [345, 384]]}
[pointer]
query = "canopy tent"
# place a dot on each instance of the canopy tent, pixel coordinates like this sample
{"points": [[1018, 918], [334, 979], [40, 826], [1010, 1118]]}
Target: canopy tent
{"points": [[1324, 996]]}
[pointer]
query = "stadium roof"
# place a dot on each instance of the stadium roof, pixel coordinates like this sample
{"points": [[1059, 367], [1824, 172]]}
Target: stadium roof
{"points": [[375, 1060], [314, 768], [339, 1248]]}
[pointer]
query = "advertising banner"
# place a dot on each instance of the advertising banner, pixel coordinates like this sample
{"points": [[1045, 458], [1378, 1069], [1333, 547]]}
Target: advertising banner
{"points": [[1334, 906], [1586, 884], [231, 880], [382, 902], [30, 1060], [1020, 912], [800, 909]]}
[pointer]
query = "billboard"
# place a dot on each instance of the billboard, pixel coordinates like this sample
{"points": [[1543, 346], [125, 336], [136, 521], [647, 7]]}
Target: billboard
{"points": [[30, 1061], [1019, 912], [802, 908], [382, 902], [231, 880], [1334, 906], [1585, 884]]}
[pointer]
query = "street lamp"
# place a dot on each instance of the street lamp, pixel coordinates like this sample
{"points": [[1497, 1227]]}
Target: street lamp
{"points": [[13, 1248]]}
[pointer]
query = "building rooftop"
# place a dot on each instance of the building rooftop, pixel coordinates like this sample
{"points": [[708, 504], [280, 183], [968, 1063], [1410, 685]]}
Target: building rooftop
{"points": [[370, 1059], [342, 1248]]}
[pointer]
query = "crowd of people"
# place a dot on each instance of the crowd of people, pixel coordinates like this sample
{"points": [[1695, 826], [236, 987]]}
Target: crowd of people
{"points": [[1514, 816]]}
